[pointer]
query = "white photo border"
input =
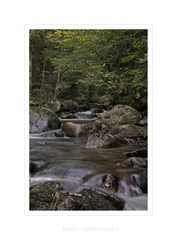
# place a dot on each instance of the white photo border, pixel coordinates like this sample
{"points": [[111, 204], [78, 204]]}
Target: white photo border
{"points": [[149, 211]]}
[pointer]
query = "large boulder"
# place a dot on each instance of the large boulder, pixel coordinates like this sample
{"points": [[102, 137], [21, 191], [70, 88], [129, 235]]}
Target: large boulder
{"points": [[72, 129], [54, 105], [119, 115], [43, 121], [99, 140], [69, 106], [48, 196], [129, 131], [81, 130]]}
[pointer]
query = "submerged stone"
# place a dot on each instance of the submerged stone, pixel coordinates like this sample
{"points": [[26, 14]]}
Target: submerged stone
{"points": [[133, 162], [138, 153]]}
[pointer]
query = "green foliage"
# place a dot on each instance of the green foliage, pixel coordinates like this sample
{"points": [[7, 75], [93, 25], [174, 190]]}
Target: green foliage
{"points": [[89, 64]]}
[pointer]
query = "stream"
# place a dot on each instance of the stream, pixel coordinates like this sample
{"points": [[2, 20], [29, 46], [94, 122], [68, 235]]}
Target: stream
{"points": [[67, 161]]}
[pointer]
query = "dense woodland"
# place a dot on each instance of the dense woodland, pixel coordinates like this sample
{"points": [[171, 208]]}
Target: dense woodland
{"points": [[107, 67]]}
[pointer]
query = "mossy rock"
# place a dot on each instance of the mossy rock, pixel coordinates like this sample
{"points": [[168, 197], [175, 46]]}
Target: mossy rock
{"points": [[119, 115], [48, 196], [129, 131]]}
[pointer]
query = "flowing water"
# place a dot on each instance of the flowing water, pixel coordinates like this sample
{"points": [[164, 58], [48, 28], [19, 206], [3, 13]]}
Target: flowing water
{"points": [[67, 161]]}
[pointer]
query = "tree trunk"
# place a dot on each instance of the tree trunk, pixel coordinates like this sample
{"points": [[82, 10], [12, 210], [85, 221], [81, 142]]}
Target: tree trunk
{"points": [[31, 73], [57, 84], [42, 79]]}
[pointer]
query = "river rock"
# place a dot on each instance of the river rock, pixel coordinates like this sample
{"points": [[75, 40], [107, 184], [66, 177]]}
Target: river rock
{"points": [[48, 196], [94, 127], [119, 115], [54, 106], [81, 130], [43, 121], [72, 129], [52, 133], [45, 196], [133, 162], [111, 182], [142, 180], [35, 166], [99, 140], [69, 106], [138, 153], [89, 199], [129, 131]]}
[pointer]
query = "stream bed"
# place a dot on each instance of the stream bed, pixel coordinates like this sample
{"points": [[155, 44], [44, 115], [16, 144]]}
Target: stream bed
{"points": [[68, 162]]}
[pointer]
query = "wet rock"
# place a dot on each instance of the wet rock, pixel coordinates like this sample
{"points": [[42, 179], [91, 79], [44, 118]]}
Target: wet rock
{"points": [[129, 131], [43, 121], [142, 180], [111, 182], [97, 110], [99, 140], [120, 115], [35, 166], [133, 162], [81, 130], [53, 133], [48, 196], [138, 153], [72, 129]]}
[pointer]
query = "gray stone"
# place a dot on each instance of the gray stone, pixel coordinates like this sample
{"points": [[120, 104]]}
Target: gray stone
{"points": [[99, 140], [43, 121], [119, 115]]}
